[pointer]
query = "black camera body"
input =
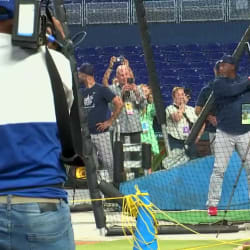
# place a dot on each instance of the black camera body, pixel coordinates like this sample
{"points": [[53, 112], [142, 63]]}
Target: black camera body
{"points": [[26, 28], [130, 80], [127, 93], [29, 29]]}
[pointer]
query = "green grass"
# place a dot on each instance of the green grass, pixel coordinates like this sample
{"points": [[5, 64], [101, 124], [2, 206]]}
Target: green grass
{"points": [[163, 245], [200, 217]]}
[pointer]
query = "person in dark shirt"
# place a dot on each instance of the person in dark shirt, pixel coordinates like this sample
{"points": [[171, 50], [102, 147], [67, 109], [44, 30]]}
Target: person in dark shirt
{"points": [[211, 122], [95, 100], [230, 93]]}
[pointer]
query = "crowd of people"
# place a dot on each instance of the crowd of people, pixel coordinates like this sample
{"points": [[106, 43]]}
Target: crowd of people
{"points": [[133, 114], [223, 125]]}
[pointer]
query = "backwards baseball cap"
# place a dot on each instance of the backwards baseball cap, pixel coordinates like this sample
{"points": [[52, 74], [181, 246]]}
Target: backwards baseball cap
{"points": [[87, 69], [225, 59], [7, 8]]}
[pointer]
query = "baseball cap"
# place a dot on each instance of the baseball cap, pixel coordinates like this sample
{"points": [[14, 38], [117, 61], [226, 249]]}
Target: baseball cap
{"points": [[87, 69], [225, 59], [9, 5]]}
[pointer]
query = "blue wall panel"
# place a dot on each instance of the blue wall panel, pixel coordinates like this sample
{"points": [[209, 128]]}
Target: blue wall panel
{"points": [[186, 186]]}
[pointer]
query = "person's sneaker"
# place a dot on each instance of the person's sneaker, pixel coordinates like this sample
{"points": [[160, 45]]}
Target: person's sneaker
{"points": [[212, 211]]}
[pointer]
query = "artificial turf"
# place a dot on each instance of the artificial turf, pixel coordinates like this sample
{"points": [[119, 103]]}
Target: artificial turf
{"points": [[165, 245]]}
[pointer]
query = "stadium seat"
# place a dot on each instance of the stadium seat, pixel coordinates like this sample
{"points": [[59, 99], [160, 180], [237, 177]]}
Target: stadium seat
{"points": [[229, 48], [173, 57], [87, 51], [190, 47], [188, 65], [213, 47], [214, 55], [109, 51], [129, 50], [186, 72], [197, 57]]}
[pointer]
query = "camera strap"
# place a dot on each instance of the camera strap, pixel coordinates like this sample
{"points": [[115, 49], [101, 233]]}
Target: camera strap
{"points": [[69, 153]]}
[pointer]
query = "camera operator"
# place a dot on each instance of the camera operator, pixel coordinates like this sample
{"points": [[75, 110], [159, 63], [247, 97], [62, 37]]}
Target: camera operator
{"points": [[34, 212]]}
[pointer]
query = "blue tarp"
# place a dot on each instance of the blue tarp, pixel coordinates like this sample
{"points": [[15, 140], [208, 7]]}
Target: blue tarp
{"points": [[186, 186]]}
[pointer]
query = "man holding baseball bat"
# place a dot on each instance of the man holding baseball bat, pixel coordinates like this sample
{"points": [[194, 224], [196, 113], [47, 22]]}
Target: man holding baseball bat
{"points": [[230, 93]]}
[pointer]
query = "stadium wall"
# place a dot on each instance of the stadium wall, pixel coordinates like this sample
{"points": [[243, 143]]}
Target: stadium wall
{"points": [[162, 34]]}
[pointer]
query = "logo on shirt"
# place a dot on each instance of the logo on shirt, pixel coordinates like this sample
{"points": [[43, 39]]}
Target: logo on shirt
{"points": [[88, 101]]}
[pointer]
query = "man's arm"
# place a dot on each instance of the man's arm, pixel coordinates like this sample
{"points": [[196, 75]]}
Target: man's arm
{"points": [[118, 104], [201, 100], [106, 76], [222, 88], [58, 27]]}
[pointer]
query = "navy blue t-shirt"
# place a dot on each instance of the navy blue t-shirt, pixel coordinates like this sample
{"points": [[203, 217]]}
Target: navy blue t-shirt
{"points": [[201, 101], [95, 101], [230, 94]]}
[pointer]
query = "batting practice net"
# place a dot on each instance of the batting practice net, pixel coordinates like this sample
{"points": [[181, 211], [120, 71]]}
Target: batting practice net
{"points": [[179, 183]]}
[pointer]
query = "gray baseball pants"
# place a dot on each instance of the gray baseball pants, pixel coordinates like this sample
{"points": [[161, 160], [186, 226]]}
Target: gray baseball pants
{"points": [[224, 146]]}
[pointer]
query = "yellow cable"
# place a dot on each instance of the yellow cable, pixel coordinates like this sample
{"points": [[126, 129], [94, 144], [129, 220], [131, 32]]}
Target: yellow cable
{"points": [[130, 206], [131, 203]]}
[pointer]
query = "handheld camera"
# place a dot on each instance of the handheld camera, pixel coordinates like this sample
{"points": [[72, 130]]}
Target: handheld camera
{"points": [[130, 80], [120, 59], [29, 29]]}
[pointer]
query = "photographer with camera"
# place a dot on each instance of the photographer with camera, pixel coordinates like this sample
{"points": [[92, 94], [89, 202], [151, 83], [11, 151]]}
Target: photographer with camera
{"points": [[134, 101], [34, 212]]}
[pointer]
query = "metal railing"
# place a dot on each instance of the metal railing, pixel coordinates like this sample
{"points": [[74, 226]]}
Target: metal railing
{"points": [[74, 13], [159, 11], [81, 12], [200, 10], [239, 10], [107, 12]]}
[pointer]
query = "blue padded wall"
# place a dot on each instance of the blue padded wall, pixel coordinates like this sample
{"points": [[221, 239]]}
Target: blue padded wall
{"points": [[186, 186]]}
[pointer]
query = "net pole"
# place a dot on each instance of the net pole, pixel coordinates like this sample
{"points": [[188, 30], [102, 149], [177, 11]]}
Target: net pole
{"points": [[153, 78], [238, 52], [80, 127]]}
